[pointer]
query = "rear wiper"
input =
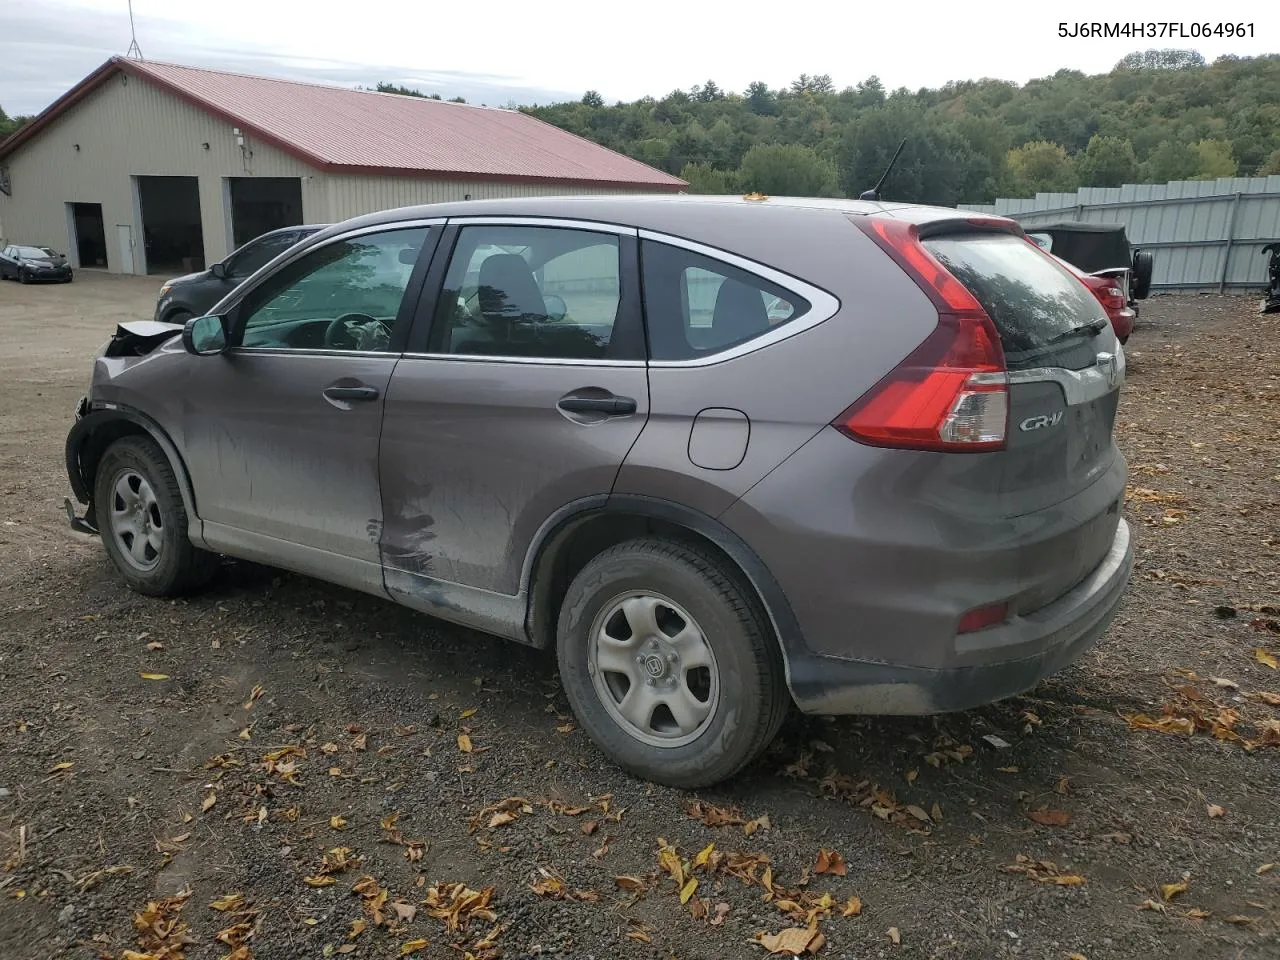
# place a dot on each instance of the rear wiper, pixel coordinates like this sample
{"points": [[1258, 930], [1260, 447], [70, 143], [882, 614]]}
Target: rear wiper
{"points": [[1092, 328]]}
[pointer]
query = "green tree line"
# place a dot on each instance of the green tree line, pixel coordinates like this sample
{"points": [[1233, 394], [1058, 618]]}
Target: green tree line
{"points": [[1158, 115]]}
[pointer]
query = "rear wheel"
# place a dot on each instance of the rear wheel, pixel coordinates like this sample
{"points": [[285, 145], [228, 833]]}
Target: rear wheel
{"points": [[143, 522], [669, 663]]}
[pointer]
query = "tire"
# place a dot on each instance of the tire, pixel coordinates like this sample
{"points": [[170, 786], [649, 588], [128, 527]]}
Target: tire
{"points": [[746, 695], [164, 563], [1124, 339], [24, 277], [179, 316]]}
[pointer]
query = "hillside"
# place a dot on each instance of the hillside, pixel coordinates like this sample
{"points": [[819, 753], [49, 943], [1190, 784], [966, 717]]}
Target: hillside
{"points": [[1157, 116]]}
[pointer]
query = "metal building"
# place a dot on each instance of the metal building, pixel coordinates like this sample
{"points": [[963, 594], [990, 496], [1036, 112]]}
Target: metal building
{"points": [[146, 167]]}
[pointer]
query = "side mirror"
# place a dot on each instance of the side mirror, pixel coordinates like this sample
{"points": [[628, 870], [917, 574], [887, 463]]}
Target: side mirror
{"points": [[205, 336], [219, 271]]}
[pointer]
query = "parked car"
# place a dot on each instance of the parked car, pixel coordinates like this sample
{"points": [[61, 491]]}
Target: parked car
{"points": [[18, 262], [1100, 250], [879, 478], [1110, 293], [191, 295]]}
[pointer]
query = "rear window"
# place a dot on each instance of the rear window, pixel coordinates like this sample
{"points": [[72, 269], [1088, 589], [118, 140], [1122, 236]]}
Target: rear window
{"points": [[1032, 301]]}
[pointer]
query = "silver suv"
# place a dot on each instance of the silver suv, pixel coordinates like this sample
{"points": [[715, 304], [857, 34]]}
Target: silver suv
{"points": [[722, 454]]}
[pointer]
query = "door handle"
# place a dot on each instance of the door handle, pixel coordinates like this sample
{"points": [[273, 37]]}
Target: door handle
{"points": [[610, 405], [351, 393]]}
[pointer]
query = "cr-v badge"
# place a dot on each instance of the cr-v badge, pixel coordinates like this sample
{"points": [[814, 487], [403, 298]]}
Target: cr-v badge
{"points": [[1044, 420]]}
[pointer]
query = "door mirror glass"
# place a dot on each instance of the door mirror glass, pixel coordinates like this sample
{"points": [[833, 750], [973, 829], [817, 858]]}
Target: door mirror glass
{"points": [[205, 336], [219, 271]]}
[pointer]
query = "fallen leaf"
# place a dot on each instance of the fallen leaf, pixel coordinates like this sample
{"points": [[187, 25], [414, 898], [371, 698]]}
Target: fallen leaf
{"points": [[1171, 890], [895, 937], [792, 941], [1225, 683], [154, 676], [64, 765], [1265, 869], [357, 927], [1007, 769], [405, 912], [911, 775], [232, 901], [936, 812], [566, 728], [759, 823], [688, 889], [155, 645], [918, 813], [464, 743], [639, 935], [1150, 904], [469, 712], [254, 694], [208, 802], [502, 818], [330, 748], [629, 883], [713, 816], [1050, 818], [1195, 913], [1181, 725], [1237, 919], [1266, 696], [1063, 786], [319, 881], [337, 823], [412, 946], [719, 913], [829, 861], [1266, 658], [1214, 811], [852, 907]]}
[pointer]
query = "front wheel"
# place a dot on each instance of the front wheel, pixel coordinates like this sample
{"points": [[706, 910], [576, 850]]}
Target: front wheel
{"points": [[669, 663], [24, 277], [143, 522]]}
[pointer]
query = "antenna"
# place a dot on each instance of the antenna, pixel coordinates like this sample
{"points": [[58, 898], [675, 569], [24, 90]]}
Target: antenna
{"points": [[874, 192], [134, 51]]}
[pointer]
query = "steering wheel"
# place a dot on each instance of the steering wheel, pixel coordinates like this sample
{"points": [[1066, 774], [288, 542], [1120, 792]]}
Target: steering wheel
{"points": [[338, 337]]}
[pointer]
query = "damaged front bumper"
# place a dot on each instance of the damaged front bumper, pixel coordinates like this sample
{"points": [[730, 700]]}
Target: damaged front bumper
{"points": [[88, 522]]}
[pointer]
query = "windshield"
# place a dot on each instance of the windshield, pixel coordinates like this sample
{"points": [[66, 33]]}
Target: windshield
{"points": [[1031, 299], [35, 253]]}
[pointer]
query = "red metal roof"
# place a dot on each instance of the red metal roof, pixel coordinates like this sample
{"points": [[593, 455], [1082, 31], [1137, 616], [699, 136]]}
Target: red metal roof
{"points": [[340, 130]]}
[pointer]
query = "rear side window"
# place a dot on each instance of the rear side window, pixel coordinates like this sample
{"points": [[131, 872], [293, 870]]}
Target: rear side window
{"points": [[697, 306], [1033, 302]]}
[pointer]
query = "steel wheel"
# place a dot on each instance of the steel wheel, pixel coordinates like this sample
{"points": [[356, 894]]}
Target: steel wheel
{"points": [[653, 669], [135, 520]]}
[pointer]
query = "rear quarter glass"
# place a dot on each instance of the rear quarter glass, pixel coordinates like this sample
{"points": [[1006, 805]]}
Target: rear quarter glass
{"points": [[1031, 300]]}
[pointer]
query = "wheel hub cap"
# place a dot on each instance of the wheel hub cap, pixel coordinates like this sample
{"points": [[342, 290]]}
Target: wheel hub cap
{"points": [[136, 525], [653, 669]]}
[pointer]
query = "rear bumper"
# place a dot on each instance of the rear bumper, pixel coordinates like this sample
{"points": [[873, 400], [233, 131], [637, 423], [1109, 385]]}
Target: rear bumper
{"points": [[1058, 634]]}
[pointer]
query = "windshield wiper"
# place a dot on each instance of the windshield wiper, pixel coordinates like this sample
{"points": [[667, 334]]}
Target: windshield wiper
{"points": [[1092, 328]]}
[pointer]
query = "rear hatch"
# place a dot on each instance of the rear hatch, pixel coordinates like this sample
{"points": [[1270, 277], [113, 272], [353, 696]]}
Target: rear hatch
{"points": [[1027, 424]]}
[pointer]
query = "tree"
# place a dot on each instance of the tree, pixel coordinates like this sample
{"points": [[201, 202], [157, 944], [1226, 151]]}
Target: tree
{"points": [[1171, 160], [704, 178], [870, 92], [1213, 160], [592, 99], [1161, 60], [1107, 162], [401, 90], [1272, 166], [788, 170], [708, 92], [10, 125], [1040, 166], [760, 99]]}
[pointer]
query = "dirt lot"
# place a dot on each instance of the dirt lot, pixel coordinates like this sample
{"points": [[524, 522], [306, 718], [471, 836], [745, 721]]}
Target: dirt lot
{"points": [[304, 738]]}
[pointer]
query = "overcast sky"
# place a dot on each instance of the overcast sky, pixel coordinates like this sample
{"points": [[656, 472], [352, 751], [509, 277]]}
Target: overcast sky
{"points": [[495, 51]]}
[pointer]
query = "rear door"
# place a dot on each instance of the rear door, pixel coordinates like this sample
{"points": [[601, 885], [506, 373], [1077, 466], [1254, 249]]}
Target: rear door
{"points": [[520, 394], [1065, 370]]}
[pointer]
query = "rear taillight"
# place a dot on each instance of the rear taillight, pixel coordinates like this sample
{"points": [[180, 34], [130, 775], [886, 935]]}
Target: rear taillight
{"points": [[981, 618], [1106, 292], [951, 392]]}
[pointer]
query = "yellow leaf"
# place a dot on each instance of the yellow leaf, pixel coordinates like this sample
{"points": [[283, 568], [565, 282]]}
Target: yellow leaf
{"points": [[64, 765], [502, 818], [319, 881], [412, 946], [936, 813], [245, 734], [1266, 658], [464, 743], [852, 908], [566, 728], [1195, 913], [1069, 880], [232, 901], [895, 937], [357, 928], [1171, 890], [688, 889], [792, 941], [911, 775], [470, 713], [1265, 869], [337, 823], [154, 676], [704, 855], [208, 802], [1214, 811]]}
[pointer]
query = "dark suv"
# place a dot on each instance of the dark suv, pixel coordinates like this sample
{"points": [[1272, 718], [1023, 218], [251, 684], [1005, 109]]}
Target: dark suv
{"points": [[722, 454], [193, 294]]}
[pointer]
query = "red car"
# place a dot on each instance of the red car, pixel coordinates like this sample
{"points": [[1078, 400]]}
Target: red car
{"points": [[1111, 295]]}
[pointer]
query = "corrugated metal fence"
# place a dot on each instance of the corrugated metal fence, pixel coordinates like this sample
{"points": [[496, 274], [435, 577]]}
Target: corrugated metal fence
{"points": [[1204, 234]]}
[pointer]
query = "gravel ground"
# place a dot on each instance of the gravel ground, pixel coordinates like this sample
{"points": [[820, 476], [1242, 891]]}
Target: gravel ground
{"points": [[305, 747]]}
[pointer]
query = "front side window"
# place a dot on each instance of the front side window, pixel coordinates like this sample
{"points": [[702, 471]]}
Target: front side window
{"points": [[698, 306], [250, 258], [345, 295], [530, 292]]}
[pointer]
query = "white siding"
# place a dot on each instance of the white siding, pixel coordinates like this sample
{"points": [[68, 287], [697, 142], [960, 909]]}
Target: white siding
{"points": [[351, 196], [128, 129]]}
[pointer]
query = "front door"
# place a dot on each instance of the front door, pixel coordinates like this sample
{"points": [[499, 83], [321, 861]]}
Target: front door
{"points": [[524, 398], [124, 245], [281, 432]]}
